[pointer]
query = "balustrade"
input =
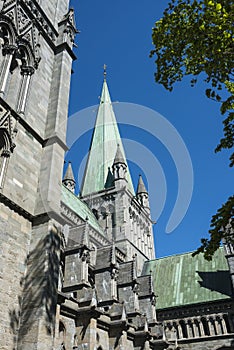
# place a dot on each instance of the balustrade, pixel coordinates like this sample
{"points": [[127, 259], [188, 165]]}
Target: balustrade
{"points": [[196, 327]]}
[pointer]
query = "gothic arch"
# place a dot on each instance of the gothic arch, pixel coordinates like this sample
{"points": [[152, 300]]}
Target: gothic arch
{"points": [[20, 57], [25, 53], [6, 148], [21, 70], [4, 140], [204, 322], [183, 329], [7, 32]]}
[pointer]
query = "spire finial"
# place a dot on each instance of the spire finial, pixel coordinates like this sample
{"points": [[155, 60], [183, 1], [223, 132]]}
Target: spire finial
{"points": [[104, 71]]}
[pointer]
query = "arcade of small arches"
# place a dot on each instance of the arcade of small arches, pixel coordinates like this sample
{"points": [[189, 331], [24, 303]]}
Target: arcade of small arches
{"points": [[197, 327]]}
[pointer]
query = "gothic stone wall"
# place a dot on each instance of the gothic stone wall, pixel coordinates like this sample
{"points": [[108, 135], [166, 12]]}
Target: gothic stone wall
{"points": [[14, 243], [27, 164]]}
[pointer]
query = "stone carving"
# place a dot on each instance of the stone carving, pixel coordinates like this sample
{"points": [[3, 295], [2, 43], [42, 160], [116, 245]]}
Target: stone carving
{"points": [[39, 19], [7, 145], [27, 30], [6, 125], [69, 27]]}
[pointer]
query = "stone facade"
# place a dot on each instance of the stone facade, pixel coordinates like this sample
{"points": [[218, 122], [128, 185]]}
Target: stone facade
{"points": [[35, 65], [70, 267]]}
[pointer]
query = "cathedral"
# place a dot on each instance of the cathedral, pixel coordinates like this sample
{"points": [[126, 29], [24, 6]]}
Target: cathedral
{"points": [[79, 271]]}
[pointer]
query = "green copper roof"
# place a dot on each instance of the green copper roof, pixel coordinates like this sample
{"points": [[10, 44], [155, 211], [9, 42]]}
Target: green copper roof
{"points": [[75, 204], [183, 279], [103, 147]]}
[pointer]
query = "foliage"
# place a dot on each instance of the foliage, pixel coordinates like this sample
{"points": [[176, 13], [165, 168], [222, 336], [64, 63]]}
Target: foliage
{"points": [[222, 225], [196, 38]]}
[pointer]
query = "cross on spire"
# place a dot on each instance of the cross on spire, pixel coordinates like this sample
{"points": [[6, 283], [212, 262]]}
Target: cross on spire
{"points": [[104, 71]]}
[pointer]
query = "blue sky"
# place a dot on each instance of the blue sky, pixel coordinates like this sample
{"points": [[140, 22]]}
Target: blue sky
{"points": [[119, 34]]}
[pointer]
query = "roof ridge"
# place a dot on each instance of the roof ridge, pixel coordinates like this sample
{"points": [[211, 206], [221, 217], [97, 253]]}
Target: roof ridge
{"points": [[177, 254]]}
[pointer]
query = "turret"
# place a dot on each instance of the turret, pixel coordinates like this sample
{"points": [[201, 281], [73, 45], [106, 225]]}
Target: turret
{"points": [[69, 180], [119, 168], [142, 195], [108, 191]]}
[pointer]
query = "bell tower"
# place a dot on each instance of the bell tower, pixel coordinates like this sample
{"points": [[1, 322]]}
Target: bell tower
{"points": [[107, 188], [36, 41]]}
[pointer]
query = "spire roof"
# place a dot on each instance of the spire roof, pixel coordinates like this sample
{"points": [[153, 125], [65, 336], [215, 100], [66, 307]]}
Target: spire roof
{"points": [[141, 186], [119, 158], [69, 174], [104, 145]]}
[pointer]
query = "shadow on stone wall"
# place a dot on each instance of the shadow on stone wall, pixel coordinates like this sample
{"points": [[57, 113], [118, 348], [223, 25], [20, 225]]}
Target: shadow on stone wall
{"points": [[38, 300]]}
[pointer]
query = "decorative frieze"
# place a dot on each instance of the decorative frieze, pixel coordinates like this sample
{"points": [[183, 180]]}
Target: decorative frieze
{"points": [[29, 11]]}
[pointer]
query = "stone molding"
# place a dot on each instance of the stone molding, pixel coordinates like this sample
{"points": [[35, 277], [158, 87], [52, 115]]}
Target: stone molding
{"points": [[32, 11]]}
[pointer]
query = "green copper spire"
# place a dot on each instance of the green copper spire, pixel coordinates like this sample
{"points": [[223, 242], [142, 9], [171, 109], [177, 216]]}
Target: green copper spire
{"points": [[104, 144]]}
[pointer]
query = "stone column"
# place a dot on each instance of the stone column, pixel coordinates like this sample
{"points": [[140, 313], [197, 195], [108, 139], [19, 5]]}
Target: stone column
{"points": [[200, 324], [216, 325], [186, 323], [26, 72], [196, 328], [180, 332], [219, 327], [223, 324], [211, 325], [8, 52]]}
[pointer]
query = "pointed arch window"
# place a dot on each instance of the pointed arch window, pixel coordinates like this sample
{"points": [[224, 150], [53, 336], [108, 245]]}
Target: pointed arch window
{"points": [[7, 49], [21, 70], [18, 61]]}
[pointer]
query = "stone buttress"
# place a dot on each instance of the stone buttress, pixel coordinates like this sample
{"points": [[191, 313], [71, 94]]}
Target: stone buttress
{"points": [[36, 40]]}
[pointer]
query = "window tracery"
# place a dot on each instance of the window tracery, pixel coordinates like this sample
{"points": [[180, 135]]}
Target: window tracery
{"points": [[19, 55], [7, 145]]}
